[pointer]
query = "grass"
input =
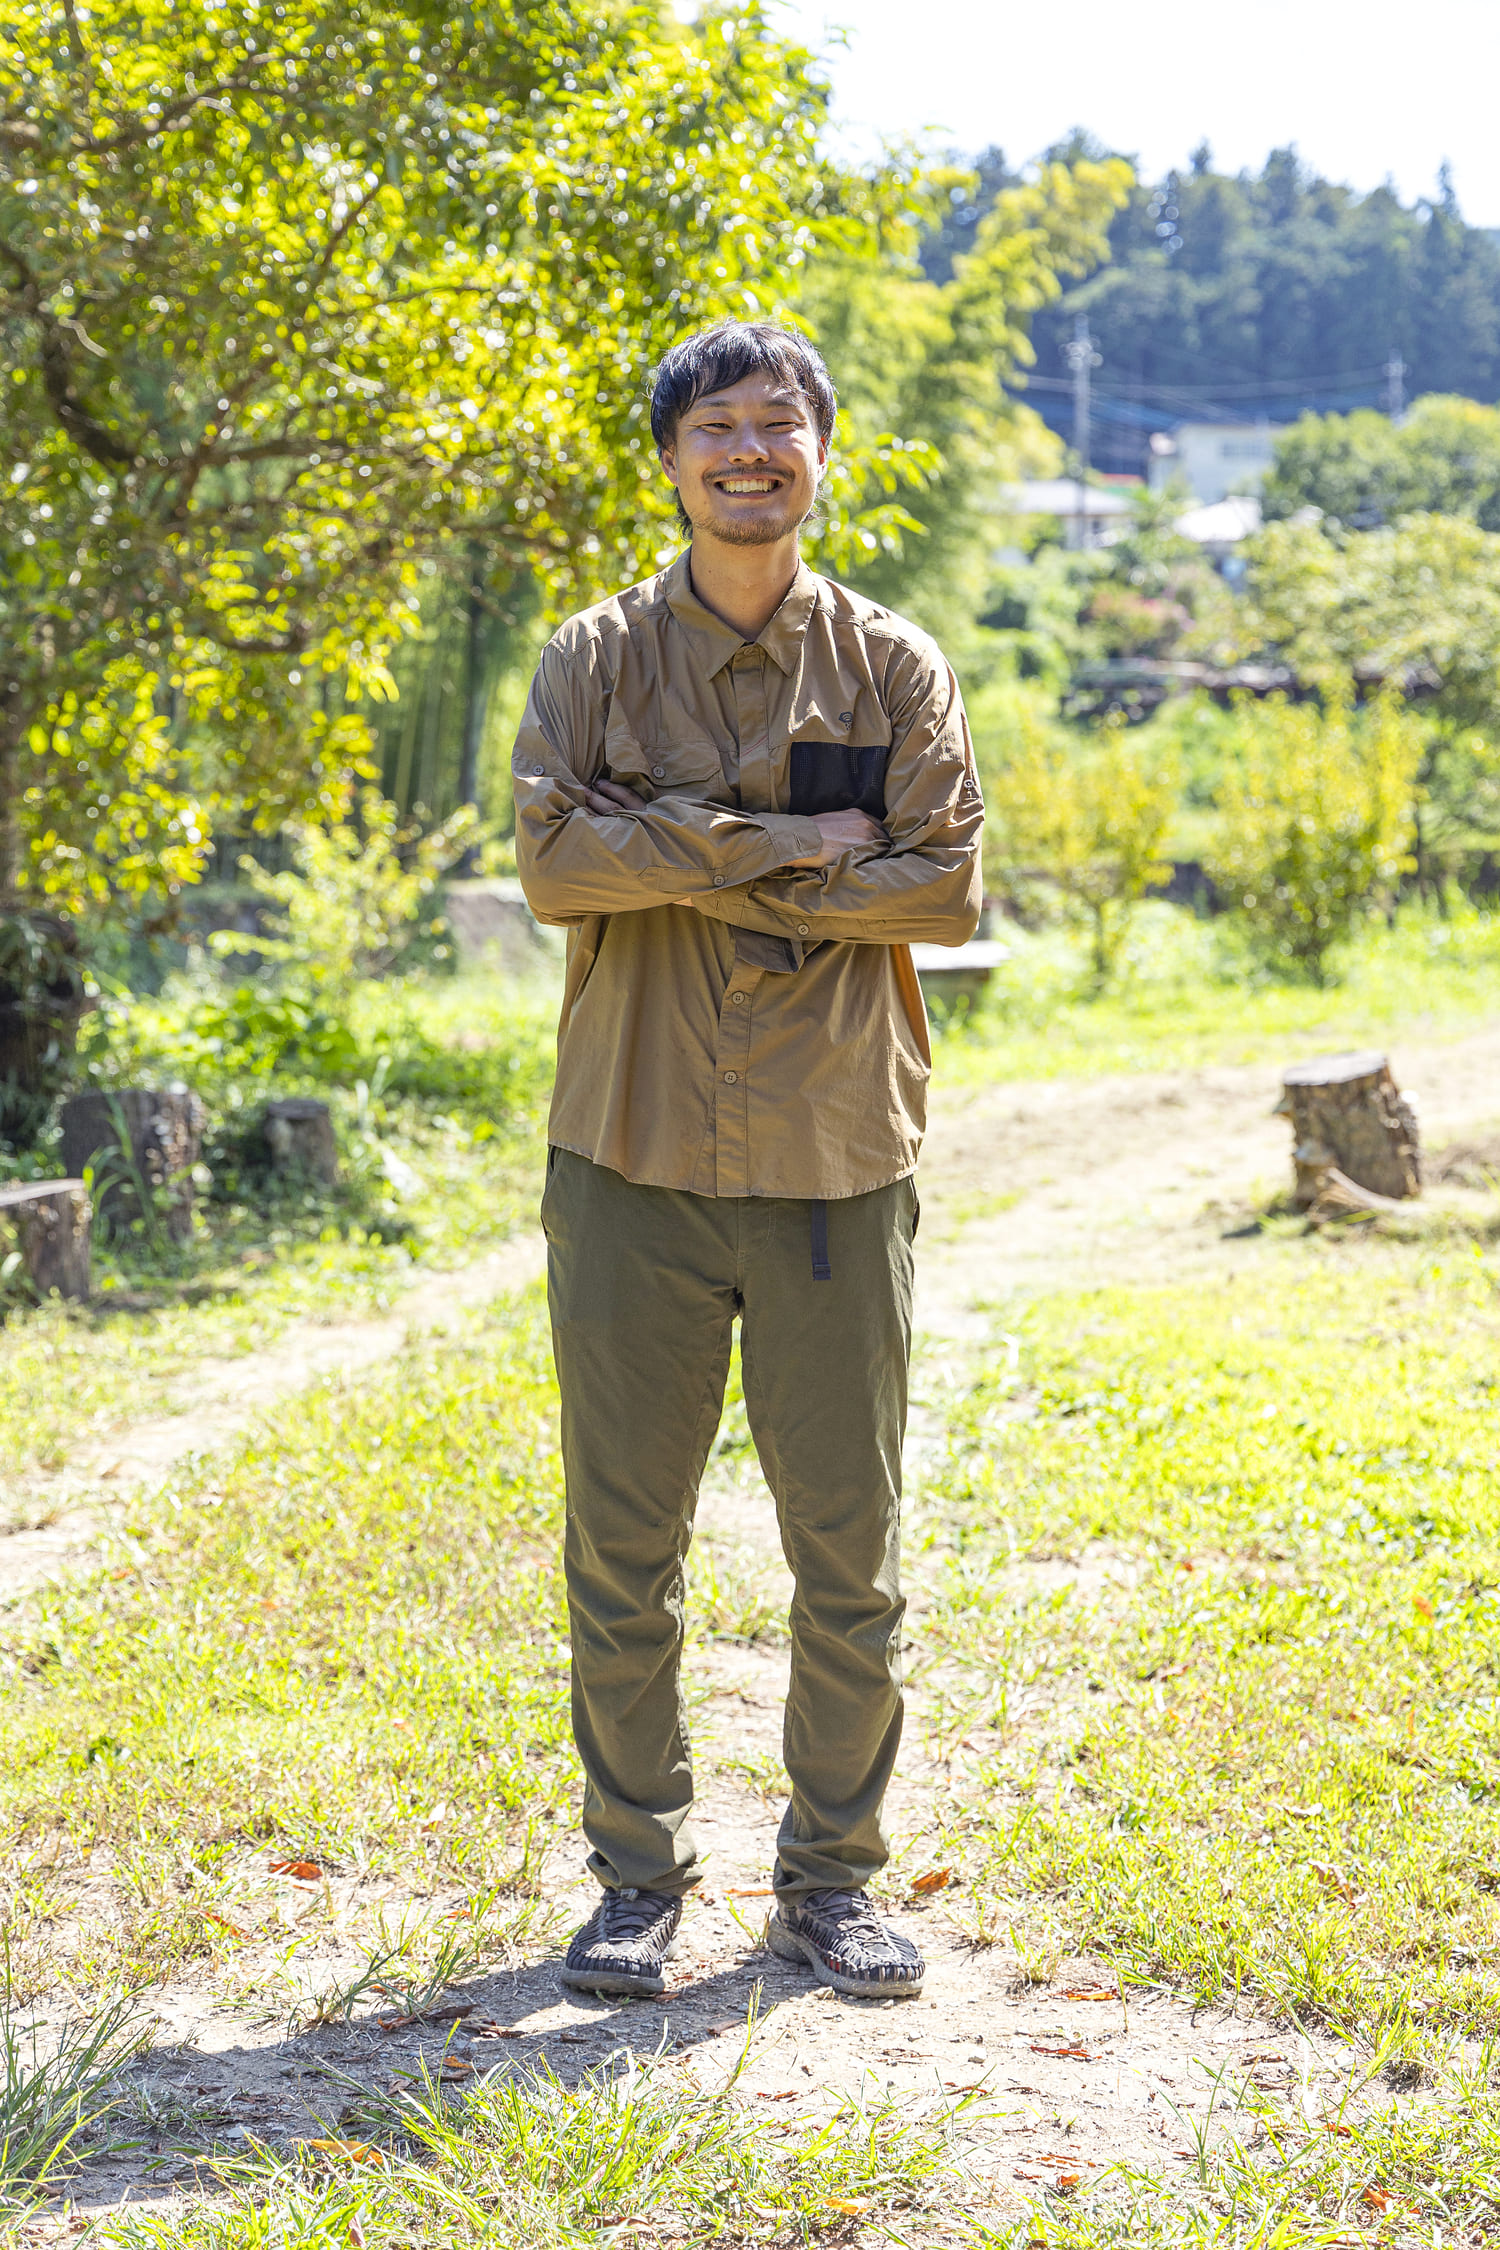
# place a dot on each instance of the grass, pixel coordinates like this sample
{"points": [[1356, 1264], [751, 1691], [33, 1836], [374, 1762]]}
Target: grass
{"points": [[344, 1647], [1186, 998], [441, 1150], [1252, 1744], [523, 2159]]}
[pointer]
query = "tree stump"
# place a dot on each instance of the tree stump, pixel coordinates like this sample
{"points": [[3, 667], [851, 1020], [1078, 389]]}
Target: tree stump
{"points": [[52, 1221], [299, 1134], [1348, 1118], [142, 1144]]}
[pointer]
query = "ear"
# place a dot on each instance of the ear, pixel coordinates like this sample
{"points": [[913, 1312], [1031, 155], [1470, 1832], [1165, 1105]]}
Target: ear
{"points": [[668, 459]]}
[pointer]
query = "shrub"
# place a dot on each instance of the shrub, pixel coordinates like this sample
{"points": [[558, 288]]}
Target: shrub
{"points": [[1086, 825], [1316, 813]]}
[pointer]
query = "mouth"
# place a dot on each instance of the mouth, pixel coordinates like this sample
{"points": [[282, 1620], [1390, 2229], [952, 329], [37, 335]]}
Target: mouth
{"points": [[750, 488]]}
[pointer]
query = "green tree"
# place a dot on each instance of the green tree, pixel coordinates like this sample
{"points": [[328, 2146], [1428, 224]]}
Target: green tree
{"points": [[1363, 469], [1082, 826], [1413, 607], [1315, 819], [293, 294], [929, 361]]}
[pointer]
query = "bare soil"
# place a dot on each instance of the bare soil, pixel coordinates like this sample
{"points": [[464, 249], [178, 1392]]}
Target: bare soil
{"points": [[1025, 1187]]}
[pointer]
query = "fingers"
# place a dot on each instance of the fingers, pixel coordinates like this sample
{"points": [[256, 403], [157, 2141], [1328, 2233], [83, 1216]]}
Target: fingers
{"points": [[612, 797]]}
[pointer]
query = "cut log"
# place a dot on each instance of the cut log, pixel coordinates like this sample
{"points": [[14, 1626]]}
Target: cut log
{"points": [[52, 1221], [142, 1144], [1346, 1114], [299, 1133]]}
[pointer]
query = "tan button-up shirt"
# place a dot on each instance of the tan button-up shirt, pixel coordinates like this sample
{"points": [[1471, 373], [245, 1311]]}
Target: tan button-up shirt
{"points": [[730, 1025]]}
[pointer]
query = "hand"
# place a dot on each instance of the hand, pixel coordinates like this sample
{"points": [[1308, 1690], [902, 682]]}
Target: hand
{"points": [[609, 797], [841, 832]]}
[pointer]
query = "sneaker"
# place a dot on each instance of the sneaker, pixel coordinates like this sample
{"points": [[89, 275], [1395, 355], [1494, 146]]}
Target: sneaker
{"points": [[622, 1945], [839, 1934]]}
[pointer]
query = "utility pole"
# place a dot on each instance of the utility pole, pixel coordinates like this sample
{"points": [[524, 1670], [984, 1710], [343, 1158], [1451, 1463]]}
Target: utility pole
{"points": [[1396, 372], [1082, 358]]}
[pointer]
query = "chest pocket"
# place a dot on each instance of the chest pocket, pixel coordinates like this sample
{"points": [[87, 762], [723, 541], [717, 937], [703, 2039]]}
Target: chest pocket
{"points": [[838, 777], [683, 769]]}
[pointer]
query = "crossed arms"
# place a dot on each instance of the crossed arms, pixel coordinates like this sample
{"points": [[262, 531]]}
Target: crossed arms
{"points": [[587, 845]]}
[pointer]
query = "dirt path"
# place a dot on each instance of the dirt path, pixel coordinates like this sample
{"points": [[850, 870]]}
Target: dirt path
{"points": [[1025, 1187]]}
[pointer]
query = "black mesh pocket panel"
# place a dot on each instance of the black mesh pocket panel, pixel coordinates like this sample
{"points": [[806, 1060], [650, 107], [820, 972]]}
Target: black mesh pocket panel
{"points": [[835, 777]]}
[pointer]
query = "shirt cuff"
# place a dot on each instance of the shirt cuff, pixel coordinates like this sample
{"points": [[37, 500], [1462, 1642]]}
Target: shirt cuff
{"points": [[793, 837]]}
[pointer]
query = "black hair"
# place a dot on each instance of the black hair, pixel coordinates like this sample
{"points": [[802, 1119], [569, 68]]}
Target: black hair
{"points": [[717, 358]]}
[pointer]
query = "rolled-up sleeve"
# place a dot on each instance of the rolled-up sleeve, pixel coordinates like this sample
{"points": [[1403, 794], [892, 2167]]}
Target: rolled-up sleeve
{"points": [[573, 862], [926, 885]]}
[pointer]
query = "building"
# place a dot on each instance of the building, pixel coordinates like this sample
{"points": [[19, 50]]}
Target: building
{"points": [[1214, 459], [1100, 512]]}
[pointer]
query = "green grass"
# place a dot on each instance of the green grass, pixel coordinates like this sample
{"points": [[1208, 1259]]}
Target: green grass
{"points": [[441, 1148], [346, 1644], [1185, 998], [1254, 1746]]}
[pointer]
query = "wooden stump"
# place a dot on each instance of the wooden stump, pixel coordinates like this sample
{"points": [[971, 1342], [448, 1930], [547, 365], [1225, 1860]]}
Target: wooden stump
{"points": [[299, 1133], [1348, 1118], [52, 1220], [142, 1144]]}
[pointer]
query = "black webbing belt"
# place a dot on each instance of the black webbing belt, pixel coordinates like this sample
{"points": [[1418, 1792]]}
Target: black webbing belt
{"points": [[818, 1210]]}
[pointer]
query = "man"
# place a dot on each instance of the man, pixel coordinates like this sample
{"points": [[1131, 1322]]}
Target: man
{"points": [[743, 790]]}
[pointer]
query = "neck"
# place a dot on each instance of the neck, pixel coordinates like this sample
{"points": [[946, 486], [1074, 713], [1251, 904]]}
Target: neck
{"points": [[743, 585]]}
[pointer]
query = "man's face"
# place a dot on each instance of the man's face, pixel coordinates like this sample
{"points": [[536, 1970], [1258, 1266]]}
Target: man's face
{"points": [[746, 462]]}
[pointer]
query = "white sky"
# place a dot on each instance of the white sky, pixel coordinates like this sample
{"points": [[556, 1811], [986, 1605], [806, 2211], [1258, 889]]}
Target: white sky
{"points": [[1366, 89]]}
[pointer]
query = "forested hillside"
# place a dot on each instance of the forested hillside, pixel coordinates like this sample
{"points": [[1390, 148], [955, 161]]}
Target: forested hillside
{"points": [[1260, 295]]}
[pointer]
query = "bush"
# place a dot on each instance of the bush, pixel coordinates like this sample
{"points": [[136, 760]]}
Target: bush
{"points": [[1085, 826], [1316, 813]]}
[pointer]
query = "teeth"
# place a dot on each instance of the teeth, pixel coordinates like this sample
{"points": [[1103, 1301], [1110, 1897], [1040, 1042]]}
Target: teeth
{"points": [[745, 484]]}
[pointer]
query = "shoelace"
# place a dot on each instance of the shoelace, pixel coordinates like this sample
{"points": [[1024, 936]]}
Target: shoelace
{"points": [[630, 1914], [853, 1913]]}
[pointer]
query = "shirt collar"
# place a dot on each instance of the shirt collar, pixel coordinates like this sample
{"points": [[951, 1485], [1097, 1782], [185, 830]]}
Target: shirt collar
{"points": [[716, 644]]}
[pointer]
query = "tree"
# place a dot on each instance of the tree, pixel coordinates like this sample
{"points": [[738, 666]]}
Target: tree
{"points": [[929, 360], [293, 294], [1413, 607], [1315, 817], [1363, 469], [1264, 293], [1089, 824]]}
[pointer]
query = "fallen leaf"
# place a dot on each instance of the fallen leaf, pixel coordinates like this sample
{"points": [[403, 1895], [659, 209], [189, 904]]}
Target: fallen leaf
{"points": [[790, 2095], [351, 2152], [356, 2234], [456, 2067], [937, 1879], [573, 2038], [488, 2030], [435, 1818], [300, 1870], [767, 1892], [1344, 2132], [1068, 2181], [1377, 2198], [223, 1922], [1081, 2053], [1089, 1992], [853, 2206], [1421, 1605]]}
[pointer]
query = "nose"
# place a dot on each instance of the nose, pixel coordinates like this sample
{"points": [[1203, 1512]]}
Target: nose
{"points": [[748, 444]]}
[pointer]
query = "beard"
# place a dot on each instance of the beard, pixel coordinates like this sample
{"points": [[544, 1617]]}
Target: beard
{"points": [[751, 531]]}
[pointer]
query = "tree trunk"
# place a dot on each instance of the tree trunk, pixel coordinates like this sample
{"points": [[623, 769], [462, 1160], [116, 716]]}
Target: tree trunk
{"points": [[52, 1221], [12, 722], [142, 1145], [1348, 1117], [300, 1136]]}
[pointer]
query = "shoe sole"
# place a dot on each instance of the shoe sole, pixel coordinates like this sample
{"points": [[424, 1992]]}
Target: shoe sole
{"points": [[791, 1947], [619, 1986]]}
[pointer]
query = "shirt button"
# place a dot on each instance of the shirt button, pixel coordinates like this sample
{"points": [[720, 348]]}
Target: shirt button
{"points": [[731, 1077], [736, 999], [718, 882], [539, 769], [801, 929], [657, 772]]}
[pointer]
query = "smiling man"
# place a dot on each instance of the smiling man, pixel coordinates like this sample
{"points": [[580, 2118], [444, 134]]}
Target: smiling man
{"points": [[744, 791]]}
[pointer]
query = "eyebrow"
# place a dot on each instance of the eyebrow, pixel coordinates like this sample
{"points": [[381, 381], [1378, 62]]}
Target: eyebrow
{"points": [[789, 396]]}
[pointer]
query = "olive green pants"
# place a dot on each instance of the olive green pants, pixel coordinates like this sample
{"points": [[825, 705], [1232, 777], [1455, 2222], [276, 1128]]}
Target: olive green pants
{"points": [[644, 1286]]}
